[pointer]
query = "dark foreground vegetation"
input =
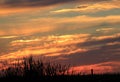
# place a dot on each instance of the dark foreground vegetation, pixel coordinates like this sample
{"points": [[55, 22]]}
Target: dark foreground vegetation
{"points": [[32, 70]]}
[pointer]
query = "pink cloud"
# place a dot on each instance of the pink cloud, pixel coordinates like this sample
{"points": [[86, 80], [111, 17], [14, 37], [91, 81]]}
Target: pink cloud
{"points": [[105, 67]]}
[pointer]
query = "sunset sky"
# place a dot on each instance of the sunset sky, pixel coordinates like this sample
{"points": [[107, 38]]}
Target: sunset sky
{"points": [[82, 33]]}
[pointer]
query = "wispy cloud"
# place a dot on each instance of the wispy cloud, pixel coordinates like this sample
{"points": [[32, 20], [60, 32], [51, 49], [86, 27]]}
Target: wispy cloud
{"points": [[114, 43], [31, 3], [86, 50], [105, 30], [7, 37], [92, 7], [36, 27], [21, 6], [47, 46], [106, 37], [25, 29], [42, 25], [35, 3], [60, 45]]}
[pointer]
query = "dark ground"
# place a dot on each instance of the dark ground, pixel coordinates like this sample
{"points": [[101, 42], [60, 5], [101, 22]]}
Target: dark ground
{"points": [[76, 78]]}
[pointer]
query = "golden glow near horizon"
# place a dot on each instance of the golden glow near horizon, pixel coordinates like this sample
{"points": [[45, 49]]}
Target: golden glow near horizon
{"points": [[83, 33], [99, 68]]}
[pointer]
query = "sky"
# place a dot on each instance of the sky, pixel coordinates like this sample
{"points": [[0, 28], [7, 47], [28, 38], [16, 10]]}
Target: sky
{"points": [[82, 33]]}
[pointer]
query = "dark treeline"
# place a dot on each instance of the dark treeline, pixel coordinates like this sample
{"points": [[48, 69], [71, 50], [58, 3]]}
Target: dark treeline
{"points": [[30, 69]]}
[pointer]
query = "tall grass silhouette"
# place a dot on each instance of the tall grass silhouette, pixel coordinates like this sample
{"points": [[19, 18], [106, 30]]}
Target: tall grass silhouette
{"points": [[30, 69]]}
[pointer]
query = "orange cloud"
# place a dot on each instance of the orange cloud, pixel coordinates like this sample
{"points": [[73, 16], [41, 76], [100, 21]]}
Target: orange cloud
{"points": [[88, 22], [24, 30], [20, 10], [94, 20], [42, 25], [114, 43], [105, 30], [47, 46], [5, 12], [2, 32], [35, 51], [106, 37], [54, 45], [7, 37], [60, 40], [63, 46], [94, 7]]}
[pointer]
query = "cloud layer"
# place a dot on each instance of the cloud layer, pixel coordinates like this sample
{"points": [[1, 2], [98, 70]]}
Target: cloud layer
{"points": [[85, 35], [94, 7], [21, 6], [86, 50], [46, 25], [35, 3]]}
